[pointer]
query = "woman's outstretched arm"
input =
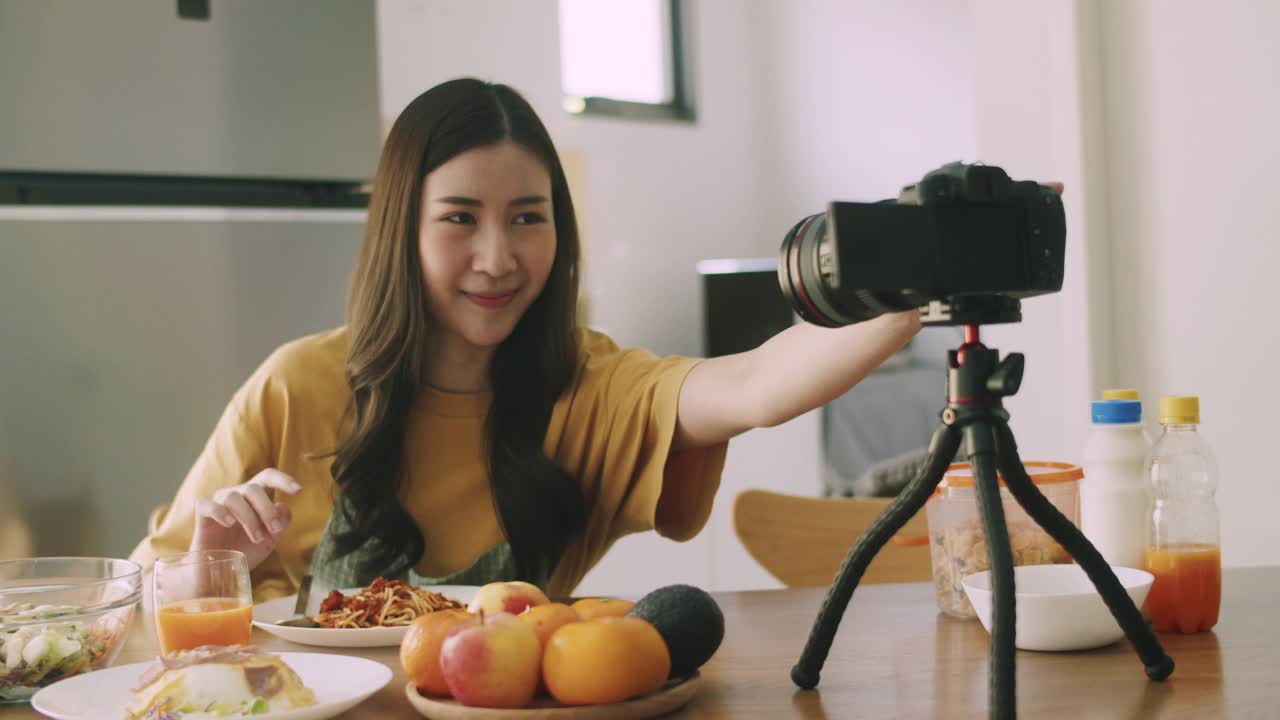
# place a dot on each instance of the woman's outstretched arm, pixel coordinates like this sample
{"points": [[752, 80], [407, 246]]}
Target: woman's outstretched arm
{"points": [[797, 370]]}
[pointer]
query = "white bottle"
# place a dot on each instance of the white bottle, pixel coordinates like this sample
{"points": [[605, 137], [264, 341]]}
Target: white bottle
{"points": [[1115, 496]]}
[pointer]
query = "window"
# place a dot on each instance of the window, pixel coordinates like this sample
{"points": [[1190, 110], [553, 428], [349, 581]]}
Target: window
{"points": [[625, 58]]}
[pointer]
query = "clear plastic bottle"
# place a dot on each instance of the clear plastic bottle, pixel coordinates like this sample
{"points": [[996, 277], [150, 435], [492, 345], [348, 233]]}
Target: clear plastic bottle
{"points": [[1115, 495], [1184, 553]]}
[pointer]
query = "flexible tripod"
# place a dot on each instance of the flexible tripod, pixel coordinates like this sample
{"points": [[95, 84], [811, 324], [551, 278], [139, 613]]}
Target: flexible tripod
{"points": [[976, 382]]}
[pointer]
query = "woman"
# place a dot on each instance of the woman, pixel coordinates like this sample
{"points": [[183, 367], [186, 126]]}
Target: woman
{"points": [[460, 428]]}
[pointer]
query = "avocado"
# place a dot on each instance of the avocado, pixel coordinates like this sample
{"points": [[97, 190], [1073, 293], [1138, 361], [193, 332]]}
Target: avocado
{"points": [[688, 619]]}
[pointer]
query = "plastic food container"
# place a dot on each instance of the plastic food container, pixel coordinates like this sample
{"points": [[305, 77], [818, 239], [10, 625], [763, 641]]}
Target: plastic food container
{"points": [[958, 546], [60, 617]]}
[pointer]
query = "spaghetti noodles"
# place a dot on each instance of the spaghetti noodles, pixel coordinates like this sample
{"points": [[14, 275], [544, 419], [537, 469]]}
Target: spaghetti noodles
{"points": [[383, 603]]}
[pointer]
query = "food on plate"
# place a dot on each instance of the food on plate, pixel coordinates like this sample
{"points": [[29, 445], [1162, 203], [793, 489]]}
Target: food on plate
{"points": [[41, 644], [509, 597], [607, 660], [546, 619], [420, 649], [500, 660], [491, 660], [962, 551], [689, 621], [217, 682], [382, 603], [592, 608]]}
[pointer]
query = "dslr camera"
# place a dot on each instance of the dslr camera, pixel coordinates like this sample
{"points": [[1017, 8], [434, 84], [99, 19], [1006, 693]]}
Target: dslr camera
{"points": [[964, 244]]}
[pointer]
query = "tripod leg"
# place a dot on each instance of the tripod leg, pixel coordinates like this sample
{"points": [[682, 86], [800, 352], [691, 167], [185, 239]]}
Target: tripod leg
{"points": [[942, 450], [1158, 664], [1001, 680]]}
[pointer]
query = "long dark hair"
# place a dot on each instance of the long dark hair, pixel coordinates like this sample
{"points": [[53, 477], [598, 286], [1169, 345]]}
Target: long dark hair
{"points": [[541, 507]]}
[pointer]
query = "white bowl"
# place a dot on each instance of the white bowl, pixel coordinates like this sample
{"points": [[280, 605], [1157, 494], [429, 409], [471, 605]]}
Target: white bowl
{"points": [[1058, 608]]}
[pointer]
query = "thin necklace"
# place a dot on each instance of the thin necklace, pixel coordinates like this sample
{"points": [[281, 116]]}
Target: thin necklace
{"points": [[448, 391]]}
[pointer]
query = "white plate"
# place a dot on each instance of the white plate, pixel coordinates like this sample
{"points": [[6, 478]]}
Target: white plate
{"points": [[269, 613], [339, 682]]}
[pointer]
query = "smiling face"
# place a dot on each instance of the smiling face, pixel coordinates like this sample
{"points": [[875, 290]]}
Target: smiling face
{"points": [[487, 242]]}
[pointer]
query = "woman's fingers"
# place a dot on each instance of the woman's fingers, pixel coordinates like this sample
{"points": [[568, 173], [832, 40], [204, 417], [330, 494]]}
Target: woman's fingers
{"points": [[214, 511], [284, 514], [250, 506], [264, 507], [245, 515], [277, 480]]}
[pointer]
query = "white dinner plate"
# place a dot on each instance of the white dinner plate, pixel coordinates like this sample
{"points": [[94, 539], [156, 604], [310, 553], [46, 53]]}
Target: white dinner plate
{"points": [[339, 682], [267, 614]]}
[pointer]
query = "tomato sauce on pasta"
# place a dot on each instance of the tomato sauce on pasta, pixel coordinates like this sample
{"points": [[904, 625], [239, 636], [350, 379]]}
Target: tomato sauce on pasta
{"points": [[382, 603]]}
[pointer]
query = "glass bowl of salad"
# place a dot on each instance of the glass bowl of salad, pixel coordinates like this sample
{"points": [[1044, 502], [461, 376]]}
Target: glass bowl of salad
{"points": [[61, 617]]}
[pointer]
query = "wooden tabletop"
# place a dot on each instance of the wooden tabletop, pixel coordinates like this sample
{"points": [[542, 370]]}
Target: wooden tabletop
{"points": [[896, 657]]}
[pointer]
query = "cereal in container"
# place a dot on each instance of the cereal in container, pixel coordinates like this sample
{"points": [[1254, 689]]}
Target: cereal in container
{"points": [[957, 543]]}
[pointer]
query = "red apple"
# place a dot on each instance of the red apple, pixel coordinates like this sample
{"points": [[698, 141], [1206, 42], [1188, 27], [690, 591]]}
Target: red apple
{"points": [[510, 597], [493, 660]]}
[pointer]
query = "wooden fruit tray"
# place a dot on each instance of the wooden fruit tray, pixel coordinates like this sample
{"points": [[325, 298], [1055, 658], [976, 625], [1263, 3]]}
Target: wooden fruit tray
{"points": [[656, 704]]}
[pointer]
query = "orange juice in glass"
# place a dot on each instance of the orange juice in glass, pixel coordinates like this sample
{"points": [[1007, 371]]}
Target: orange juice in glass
{"points": [[202, 598]]}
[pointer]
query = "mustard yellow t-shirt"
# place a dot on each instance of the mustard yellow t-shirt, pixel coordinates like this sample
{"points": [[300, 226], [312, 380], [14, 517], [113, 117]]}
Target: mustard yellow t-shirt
{"points": [[612, 429]]}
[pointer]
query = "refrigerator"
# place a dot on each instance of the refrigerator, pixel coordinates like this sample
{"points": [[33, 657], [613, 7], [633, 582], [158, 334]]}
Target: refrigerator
{"points": [[182, 189]]}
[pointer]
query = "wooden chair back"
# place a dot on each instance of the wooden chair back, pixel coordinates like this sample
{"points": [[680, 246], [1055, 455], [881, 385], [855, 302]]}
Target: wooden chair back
{"points": [[801, 541]]}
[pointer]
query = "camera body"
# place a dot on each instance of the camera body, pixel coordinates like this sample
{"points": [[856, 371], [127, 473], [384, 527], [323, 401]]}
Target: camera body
{"points": [[965, 243]]}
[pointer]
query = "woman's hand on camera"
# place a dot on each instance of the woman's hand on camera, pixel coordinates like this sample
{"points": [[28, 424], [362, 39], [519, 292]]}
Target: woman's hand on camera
{"points": [[245, 517]]}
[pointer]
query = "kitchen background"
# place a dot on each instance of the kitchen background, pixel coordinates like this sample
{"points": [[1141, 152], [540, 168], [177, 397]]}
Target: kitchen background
{"points": [[125, 330]]}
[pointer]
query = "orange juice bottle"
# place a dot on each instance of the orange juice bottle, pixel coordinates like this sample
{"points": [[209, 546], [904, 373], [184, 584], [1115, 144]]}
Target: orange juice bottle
{"points": [[188, 624], [1183, 554]]}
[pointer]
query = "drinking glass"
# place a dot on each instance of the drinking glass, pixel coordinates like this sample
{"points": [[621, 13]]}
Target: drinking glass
{"points": [[202, 597]]}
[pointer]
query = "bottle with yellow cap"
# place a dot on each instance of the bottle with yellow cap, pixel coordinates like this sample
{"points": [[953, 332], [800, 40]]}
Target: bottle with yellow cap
{"points": [[1184, 553]]}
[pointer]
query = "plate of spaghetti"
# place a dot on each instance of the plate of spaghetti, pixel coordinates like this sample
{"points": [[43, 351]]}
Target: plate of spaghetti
{"points": [[377, 615]]}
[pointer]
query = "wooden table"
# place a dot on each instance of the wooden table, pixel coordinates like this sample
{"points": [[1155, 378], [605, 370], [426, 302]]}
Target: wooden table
{"points": [[896, 657]]}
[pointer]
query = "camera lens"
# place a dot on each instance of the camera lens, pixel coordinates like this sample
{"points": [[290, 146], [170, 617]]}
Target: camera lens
{"points": [[809, 276], [798, 272]]}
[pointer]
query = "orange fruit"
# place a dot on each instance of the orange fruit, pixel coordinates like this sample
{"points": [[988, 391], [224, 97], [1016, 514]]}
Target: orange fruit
{"points": [[546, 619], [605, 660], [592, 608], [420, 649]]}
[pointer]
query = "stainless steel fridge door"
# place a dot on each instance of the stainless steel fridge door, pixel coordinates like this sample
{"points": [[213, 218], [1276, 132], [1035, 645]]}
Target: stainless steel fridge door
{"points": [[125, 333], [280, 89]]}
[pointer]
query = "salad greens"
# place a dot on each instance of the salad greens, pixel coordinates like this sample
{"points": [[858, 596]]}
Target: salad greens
{"points": [[34, 654], [258, 706]]}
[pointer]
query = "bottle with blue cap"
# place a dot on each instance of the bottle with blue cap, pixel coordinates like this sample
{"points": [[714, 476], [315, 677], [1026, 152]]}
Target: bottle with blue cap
{"points": [[1115, 495]]}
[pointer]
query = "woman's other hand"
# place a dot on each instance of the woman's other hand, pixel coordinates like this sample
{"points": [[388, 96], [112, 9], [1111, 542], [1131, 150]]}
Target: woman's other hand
{"points": [[245, 517]]}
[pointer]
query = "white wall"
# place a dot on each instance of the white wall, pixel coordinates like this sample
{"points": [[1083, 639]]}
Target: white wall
{"points": [[1192, 107], [1035, 99], [1159, 115], [857, 99], [864, 97]]}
